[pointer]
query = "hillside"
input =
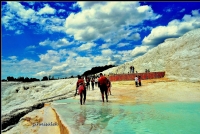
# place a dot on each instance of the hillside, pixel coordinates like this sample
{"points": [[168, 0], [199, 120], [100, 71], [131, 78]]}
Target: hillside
{"points": [[178, 57]]}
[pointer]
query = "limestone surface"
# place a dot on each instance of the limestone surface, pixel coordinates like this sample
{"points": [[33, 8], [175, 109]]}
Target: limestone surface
{"points": [[178, 57]]}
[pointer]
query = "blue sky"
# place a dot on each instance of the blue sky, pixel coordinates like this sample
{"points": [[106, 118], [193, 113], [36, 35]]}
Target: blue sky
{"points": [[68, 38]]}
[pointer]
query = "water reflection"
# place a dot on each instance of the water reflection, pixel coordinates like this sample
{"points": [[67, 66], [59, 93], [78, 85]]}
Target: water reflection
{"points": [[104, 118]]}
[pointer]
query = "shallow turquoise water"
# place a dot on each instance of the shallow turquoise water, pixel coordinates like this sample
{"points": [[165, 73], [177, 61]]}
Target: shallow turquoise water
{"points": [[113, 118]]}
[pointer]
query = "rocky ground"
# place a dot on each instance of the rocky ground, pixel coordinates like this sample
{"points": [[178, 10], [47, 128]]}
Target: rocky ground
{"points": [[154, 90]]}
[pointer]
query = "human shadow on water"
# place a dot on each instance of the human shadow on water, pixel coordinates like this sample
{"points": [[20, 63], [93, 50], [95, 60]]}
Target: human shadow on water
{"points": [[93, 118], [81, 117]]}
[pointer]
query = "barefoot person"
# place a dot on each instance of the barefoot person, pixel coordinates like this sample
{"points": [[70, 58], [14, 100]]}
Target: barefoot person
{"points": [[80, 85], [102, 81]]}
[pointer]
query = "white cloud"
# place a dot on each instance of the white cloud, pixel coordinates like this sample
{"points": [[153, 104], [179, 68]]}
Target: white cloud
{"points": [[61, 11], [13, 58], [143, 9], [55, 44], [103, 46], [30, 47], [139, 50], [41, 74], [72, 54], [87, 5], [16, 7], [31, 3], [86, 46], [122, 44], [102, 19], [25, 67], [46, 10], [59, 4], [52, 57], [45, 43], [182, 10], [74, 6], [19, 32], [195, 12], [63, 63], [61, 67], [168, 10], [14, 13], [106, 52], [175, 28], [134, 37]]}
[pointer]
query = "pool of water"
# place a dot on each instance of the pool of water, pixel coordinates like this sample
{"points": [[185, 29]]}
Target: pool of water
{"points": [[114, 118]]}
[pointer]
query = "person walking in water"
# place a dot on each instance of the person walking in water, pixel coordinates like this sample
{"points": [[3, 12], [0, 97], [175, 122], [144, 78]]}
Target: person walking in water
{"points": [[92, 82], [102, 82], [80, 85], [88, 83]]}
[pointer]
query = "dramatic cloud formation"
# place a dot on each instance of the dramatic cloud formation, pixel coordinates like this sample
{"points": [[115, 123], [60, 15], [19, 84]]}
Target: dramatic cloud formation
{"points": [[99, 20], [62, 39]]}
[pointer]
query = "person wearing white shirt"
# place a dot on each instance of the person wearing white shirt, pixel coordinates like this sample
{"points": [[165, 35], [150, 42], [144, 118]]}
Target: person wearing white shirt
{"points": [[136, 81]]}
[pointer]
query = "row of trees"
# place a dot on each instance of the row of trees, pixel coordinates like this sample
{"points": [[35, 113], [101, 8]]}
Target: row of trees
{"points": [[52, 78], [26, 79], [98, 69]]}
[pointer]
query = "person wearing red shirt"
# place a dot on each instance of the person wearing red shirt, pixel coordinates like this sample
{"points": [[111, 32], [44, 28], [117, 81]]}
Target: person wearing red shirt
{"points": [[102, 82], [80, 85]]}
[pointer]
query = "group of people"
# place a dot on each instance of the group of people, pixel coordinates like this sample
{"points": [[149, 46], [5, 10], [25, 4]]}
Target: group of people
{"points": [[93, 80], [138, 81], [102, 82]]}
